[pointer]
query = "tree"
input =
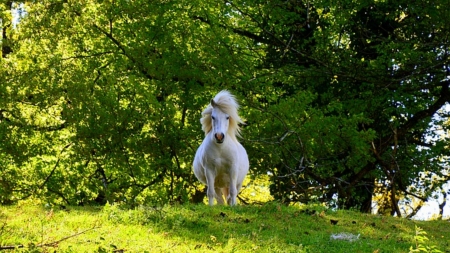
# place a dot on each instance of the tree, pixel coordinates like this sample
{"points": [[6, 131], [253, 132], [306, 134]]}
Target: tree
{"points": [[377, 74], [103, 97], [101, 100], [6, 21]]}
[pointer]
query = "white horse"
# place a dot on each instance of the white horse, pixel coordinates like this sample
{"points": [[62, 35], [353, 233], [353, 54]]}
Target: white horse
{"points": [[221, 162]]}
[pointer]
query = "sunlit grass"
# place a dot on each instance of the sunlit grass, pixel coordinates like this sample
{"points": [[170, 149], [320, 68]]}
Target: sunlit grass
{"points": [[199, 228]]}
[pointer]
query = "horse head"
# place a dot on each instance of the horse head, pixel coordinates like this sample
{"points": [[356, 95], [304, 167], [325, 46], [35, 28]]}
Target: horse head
{"points": [[220, 122]]}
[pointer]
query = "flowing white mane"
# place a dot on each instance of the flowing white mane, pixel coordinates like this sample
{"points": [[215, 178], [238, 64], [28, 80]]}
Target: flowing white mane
{"points": [[226, 103]]}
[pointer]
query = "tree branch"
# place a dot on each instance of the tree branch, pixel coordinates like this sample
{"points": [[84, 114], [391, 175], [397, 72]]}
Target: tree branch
{"points": [[50, 244], [430, 111], [34, 127], [48, 176], [250, 35], [124, 51], [54, 167]]}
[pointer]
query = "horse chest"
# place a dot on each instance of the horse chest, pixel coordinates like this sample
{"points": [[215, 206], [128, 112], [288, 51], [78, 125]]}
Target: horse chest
{"points": [[222, 172], [221, 164], [221, 159]]}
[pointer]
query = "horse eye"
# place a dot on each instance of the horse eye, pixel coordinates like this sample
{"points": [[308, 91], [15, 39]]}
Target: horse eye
{"points": [[228, 117], [213, 118]]}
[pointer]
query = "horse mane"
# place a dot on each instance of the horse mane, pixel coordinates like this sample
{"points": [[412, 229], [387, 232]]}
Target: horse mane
{"points": [[227, 103]]}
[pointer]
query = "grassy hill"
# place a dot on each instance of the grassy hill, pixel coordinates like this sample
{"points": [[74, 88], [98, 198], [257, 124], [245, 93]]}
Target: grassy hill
{"points": [[200, 228]]}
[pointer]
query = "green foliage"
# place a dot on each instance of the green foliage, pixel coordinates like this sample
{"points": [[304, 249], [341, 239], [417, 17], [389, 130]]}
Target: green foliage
{"points": [[372, 79], [100, 100], [421, 242], [87, 82]]}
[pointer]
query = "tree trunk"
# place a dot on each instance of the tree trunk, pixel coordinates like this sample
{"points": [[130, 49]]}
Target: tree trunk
{"points": [[6, 25], [361, 197]]}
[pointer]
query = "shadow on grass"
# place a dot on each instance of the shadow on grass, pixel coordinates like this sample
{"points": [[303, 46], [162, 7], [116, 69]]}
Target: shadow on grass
{"points": [[274, 227], [268, 228]]}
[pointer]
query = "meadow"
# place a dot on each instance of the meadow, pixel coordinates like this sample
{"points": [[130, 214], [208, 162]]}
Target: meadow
{"points": [[271, 227]]}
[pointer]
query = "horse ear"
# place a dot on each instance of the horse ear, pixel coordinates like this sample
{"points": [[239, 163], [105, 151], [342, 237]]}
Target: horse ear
{"points": [[213, 103]]}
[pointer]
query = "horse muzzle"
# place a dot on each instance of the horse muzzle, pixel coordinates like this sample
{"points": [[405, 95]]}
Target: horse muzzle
{"points": [[219, 137]]}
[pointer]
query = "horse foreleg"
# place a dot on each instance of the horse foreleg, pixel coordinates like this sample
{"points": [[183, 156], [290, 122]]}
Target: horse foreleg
{"points": [[211, 191], [232, 195]]}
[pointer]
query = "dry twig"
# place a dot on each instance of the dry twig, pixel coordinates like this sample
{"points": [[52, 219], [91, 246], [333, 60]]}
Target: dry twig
{"points": [[50, 244]]}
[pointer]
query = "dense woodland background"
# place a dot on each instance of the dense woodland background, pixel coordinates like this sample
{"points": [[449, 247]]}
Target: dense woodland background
{"points": [[343, 100]]}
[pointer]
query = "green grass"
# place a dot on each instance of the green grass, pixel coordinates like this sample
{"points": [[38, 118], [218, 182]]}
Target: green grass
{"points": [[200, 228]]}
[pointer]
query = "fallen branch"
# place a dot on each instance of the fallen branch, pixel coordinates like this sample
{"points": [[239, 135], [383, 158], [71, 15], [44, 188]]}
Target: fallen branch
{"points": [[50, 244]]}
